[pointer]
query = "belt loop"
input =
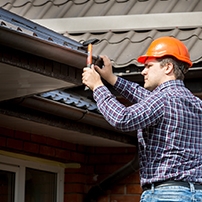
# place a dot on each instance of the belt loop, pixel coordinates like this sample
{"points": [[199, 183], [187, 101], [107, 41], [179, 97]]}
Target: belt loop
{"points": [[192, 188], [152, 188]]}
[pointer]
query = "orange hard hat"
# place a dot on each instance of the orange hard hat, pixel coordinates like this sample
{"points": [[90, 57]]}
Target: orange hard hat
{"points": [[167, 46]]}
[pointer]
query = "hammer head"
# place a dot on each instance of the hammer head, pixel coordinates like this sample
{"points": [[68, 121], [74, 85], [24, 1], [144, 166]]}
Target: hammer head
{"points": [[99, 61], [96, 60], [90, 41]]}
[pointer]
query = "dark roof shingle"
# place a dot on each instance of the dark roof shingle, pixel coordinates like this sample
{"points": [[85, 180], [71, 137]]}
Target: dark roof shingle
{"points": [[123, 48], [81, 8], [72, 99]]}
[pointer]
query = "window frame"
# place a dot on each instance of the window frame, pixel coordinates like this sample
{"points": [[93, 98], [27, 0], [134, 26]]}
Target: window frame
{"points": [[19, 167]]}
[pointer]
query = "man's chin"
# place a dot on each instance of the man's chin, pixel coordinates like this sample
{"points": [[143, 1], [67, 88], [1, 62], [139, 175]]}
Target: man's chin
{"points": [[148, 88]]}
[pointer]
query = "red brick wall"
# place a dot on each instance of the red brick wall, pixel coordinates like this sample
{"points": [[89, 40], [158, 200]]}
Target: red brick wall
{"points": [[103, 162], [96, 164]]}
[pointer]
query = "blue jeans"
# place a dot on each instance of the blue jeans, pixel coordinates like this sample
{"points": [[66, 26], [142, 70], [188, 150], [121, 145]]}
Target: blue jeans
{"points": [[171, 194]]}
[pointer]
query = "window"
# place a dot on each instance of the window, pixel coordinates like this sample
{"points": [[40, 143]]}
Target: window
{"points": [[27, 181], [40, 186], [7, 186]]}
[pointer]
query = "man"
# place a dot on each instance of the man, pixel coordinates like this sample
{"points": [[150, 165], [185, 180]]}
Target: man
{"points": [[168, 118]]}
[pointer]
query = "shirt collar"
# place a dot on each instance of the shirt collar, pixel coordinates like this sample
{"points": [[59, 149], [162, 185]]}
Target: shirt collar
{"points": [[170, 83]]}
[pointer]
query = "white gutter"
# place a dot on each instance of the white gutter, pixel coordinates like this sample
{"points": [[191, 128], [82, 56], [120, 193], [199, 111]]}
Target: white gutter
{"points": [[123, 22]]}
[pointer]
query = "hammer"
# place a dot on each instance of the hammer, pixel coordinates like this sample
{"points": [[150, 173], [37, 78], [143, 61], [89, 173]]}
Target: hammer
{"points": [[98, 59]]}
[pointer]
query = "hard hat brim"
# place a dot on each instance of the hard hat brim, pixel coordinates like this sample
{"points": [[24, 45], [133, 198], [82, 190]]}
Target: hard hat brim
{"points": [[142, 59]]}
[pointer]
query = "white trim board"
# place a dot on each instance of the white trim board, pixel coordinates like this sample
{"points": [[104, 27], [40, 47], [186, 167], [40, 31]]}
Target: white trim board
{"points": [[123, 22]]}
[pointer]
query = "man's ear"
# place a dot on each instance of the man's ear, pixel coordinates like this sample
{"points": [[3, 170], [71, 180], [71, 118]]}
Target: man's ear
{"points": [[168, 68]]}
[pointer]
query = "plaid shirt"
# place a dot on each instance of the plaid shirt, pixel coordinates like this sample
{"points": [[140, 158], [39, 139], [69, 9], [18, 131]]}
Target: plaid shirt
{"points": [[169, 124]]}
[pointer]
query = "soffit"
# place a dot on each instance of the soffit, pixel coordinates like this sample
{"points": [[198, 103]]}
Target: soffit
{"points": [[73, 136], [16, 82]]}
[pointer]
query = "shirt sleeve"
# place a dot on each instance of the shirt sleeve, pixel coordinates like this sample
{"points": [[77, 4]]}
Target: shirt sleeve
{"points": [[130, 90], [140, 115]]}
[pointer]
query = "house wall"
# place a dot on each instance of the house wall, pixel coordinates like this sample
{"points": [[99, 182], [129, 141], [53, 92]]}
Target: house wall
{"points": [[96, 163]]}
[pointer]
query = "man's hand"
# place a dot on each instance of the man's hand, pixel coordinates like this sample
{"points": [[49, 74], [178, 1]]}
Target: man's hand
{"points": [[106, 71], [91, 78]]}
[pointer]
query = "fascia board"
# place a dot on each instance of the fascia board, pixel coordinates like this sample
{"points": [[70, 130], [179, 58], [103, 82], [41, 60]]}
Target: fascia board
{"points": [[123, 22], [43, 48]]}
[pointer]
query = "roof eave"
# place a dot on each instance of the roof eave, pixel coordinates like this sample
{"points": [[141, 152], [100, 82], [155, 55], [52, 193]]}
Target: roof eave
{"points": [[42, 48]]}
